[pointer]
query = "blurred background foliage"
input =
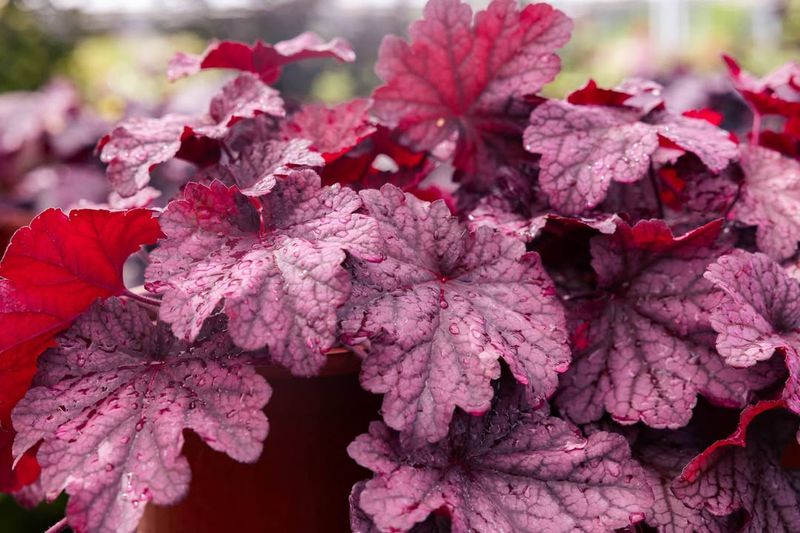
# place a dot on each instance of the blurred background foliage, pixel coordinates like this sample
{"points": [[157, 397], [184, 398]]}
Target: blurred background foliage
{"points": [[115, 53]]}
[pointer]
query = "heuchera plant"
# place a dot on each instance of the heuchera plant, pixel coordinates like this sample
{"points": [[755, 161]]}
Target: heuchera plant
{"points": [[561, 302]]}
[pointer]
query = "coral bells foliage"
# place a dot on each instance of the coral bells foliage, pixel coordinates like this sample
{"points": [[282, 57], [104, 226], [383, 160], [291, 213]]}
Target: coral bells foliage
{"points": [[582, 314]]}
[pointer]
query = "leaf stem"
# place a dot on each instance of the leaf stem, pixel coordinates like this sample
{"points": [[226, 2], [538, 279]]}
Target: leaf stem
{"points": [[756, 134], [58, 526], [153, 302]]}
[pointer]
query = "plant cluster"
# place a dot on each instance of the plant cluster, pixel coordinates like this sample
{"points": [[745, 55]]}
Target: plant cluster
{"points": [[566, 305]]}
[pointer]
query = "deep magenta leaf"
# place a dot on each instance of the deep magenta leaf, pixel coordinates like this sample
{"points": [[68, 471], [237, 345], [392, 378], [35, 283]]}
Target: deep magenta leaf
{"points": [[761, 309], [511, 470], [110, 407], [585, 148], [711, 144], [439, 312], [459, 78], [648, 349], [277, 269], [663, 455], [770, 200]]}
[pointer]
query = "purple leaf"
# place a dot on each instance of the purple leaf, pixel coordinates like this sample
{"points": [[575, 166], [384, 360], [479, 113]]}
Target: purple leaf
{"points": [[277, 268], [110, 407], [759, 314], [245, 96], [137, 145], [258, 166], [511, 470], [361, 522], [749, 478], [711, 144], [761, 309], [446, 303], [585, 148], [648, 350], [770, 199], [663, 455]]}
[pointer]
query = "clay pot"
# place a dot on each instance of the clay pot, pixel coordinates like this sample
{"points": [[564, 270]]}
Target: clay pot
{"points": [[303, 479]]}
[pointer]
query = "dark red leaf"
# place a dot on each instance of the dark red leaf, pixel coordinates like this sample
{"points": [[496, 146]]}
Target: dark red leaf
{"points": [[265, 60], [591, 94], [459, 79]]}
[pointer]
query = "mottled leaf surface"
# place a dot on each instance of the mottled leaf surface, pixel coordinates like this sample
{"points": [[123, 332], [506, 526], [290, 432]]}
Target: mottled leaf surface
{"points": [[758, 315], [511, 470], [110, 407], [770, 200], [137, 145], [332, 130], [442, 308], [649, 345], [275, 263], [749, 477], [585, 148], [663, 455], [243, 97], [257, 167]]}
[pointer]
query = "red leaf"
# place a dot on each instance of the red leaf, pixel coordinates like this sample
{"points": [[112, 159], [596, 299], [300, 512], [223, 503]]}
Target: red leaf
{"points": [[462, 79], [737, 438], [709, 115], [263, 59], [51, 272], [591, 94], [777, 93]]}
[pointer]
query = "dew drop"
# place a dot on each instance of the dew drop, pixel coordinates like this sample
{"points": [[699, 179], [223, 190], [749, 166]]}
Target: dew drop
{"points": [[454, 329], [109, 467]]}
